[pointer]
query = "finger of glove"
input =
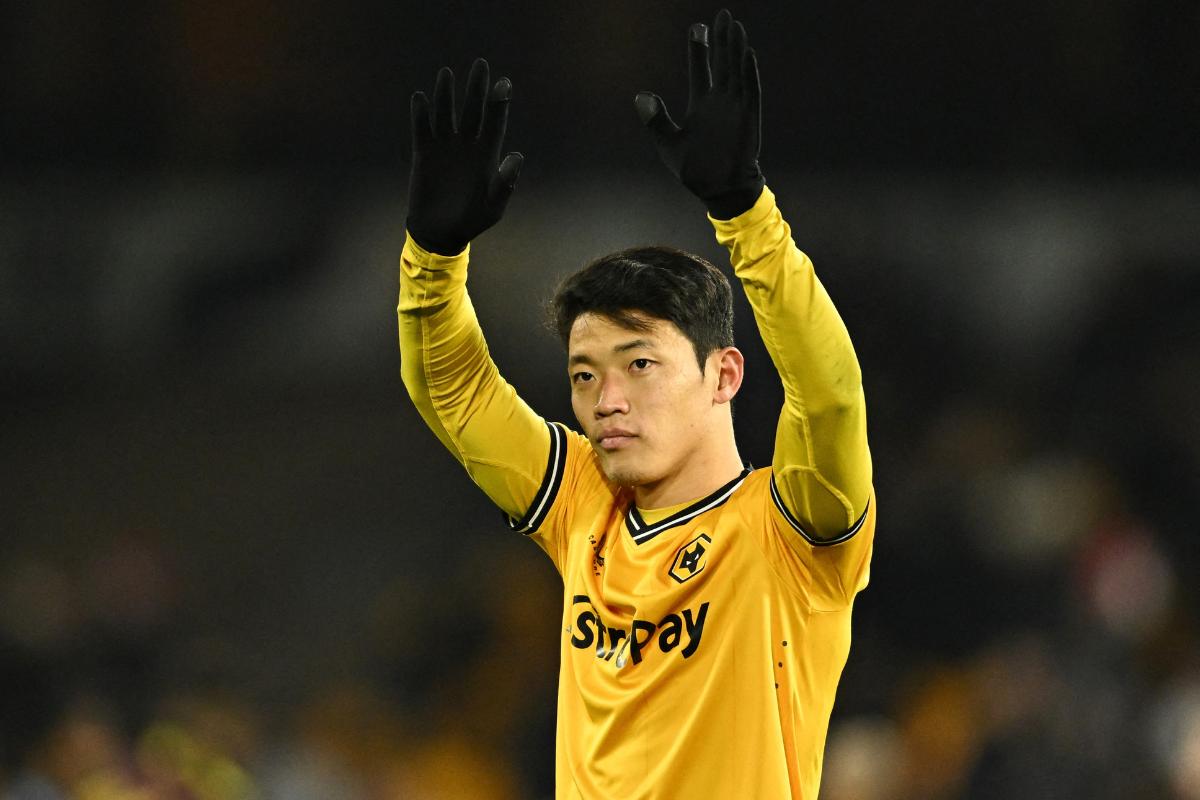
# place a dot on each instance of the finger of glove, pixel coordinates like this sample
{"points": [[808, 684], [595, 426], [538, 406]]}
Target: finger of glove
{"points": [[752, 94], [510, 169], [495, 119], [720, 51], [667, 135], [699, 75], [443, 104], [737, 53], [501, 186], [422, 133], [477, 90], [653, 114]]}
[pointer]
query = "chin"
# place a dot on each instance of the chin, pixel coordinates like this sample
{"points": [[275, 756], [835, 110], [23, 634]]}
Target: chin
{"points": [[624, 475]]}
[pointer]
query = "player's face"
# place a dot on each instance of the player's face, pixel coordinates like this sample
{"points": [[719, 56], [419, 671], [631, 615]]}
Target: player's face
{"points": [[641, 397]]}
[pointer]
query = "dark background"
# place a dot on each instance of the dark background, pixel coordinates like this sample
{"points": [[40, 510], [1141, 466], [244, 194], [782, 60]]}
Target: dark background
{"points": [[233, 562]]}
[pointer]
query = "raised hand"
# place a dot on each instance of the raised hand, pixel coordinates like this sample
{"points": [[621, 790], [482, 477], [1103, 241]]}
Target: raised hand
{"points": [[459, 186], [715, 152]]}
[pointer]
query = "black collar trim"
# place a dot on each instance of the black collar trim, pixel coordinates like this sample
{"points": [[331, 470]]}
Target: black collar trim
{"points": [[641, 532]]}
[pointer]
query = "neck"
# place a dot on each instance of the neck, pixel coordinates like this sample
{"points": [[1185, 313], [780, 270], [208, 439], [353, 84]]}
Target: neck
{"points": [[702, 475]]}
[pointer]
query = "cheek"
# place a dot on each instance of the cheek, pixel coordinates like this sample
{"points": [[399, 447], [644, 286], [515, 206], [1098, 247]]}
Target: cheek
{"points": [[678, 410], [579, 405]]}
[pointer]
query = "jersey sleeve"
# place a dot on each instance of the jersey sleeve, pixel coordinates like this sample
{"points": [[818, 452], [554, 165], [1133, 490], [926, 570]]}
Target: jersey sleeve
{"points": [[821, 466], [573, 496], [458, 390], [827, 574]]}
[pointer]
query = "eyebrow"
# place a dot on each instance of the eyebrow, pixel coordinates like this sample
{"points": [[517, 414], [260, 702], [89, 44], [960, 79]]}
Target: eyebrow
{"points": [[580, 358]]}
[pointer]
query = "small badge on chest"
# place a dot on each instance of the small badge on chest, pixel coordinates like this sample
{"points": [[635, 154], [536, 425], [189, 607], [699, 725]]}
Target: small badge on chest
{"points": [[690, 559]]}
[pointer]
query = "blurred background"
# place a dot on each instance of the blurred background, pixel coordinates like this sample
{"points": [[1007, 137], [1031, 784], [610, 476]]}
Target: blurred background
{"points": [[235, 565]]}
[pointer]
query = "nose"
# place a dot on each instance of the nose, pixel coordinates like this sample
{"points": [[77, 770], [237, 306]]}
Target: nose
{"points": [[612, 399]]}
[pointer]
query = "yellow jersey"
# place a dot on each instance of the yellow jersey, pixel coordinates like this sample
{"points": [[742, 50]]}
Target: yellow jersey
{"points": [[700, 650], [701, 645]]}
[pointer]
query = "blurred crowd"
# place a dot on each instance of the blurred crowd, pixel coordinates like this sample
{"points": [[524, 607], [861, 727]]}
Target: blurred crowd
{"points": [[1036, 634], [104, 697]]}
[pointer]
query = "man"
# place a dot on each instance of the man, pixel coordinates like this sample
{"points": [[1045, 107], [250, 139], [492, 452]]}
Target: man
{"points": [[706, 606]]}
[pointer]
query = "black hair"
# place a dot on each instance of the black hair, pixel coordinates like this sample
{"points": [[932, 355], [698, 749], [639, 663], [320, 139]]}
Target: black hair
{"points": [[659, 282]]}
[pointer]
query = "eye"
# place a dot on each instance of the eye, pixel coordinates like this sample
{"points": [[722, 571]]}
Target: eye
{"points": [[641, 363], [581, 377]]}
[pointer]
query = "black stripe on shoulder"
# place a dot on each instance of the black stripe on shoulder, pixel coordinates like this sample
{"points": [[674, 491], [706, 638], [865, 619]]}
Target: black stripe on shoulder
{"points": [[556, 462], [808, 537]]}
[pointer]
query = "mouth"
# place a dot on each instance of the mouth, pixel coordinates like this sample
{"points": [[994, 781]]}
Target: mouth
{"points": [[614, 440]]}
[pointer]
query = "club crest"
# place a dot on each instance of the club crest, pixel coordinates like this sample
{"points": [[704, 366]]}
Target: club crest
{"points": [[690, 559]]}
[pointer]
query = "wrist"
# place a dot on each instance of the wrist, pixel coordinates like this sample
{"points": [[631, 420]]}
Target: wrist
{"points": [[428, 258], [436, 245], [735, 202]]}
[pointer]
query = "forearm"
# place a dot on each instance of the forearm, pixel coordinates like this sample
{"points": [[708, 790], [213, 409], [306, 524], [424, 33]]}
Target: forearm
{"points": [[457, 388], [822, 464]]}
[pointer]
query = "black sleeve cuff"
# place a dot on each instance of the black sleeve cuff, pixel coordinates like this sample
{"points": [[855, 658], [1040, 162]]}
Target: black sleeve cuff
{"points": [[556, 463], [808, 537]]}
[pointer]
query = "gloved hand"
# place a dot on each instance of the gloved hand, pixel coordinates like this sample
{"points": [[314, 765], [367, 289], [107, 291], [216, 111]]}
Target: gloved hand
{"points": [[715, 153], [459, 186]]}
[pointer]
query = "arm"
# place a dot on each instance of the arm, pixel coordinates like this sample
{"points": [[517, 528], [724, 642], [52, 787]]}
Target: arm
{"points": [[821, 464], [459, 189]]}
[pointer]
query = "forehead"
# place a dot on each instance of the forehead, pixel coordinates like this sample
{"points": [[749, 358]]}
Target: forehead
{"points": [[592, 331]]}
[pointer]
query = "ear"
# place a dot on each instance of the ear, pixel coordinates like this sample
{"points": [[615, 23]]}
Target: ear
{"points": [[729, 366]]}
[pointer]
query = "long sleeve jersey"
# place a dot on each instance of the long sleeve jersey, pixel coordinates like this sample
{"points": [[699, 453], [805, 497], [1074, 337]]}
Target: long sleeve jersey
{"points": [[702, 644]]}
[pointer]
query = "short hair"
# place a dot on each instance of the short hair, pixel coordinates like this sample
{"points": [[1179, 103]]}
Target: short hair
{"points": [[659, 282]]}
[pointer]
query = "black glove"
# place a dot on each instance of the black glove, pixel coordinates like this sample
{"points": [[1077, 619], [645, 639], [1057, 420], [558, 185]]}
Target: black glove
{"points": [[715, 153], [459, 186]]}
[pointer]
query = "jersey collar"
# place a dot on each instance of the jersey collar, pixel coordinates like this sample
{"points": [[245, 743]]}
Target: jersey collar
{"points": [[641, 532]]}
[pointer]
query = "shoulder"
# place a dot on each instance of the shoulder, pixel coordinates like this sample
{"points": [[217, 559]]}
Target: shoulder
{"points": [[755, 488], [572, 479]]}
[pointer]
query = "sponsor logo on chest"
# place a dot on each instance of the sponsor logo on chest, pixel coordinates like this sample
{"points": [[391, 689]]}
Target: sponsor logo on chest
{"points": [[621, 645]]}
